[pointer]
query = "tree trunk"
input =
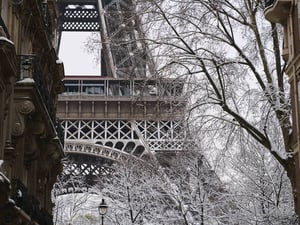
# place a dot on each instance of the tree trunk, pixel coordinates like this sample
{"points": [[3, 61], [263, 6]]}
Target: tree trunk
{"points": [[292, 169]]}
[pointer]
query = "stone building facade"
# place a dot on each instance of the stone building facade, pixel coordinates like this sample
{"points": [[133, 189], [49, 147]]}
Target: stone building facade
{"points": [[31, 141], [287, 13]]}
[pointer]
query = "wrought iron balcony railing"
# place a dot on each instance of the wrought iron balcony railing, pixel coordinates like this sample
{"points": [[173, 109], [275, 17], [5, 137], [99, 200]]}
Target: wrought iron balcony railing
{"points": [[29, 68]]}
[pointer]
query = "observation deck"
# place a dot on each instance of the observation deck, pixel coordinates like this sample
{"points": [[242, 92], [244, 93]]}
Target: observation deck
{"points": [[121, 98], [116, 119]]}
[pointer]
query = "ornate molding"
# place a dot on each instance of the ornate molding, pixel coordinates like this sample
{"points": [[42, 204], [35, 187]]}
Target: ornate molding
{"points": [[22, 109], [36, 128]]}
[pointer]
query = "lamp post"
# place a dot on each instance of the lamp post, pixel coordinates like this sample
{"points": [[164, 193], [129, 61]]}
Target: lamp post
{"points": [[102, 208]]}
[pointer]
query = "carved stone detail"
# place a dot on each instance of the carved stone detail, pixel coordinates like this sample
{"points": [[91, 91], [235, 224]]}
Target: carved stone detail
{"points": [[22, 109], [25, 107], [8, 96], [10, 153], [34, 130]]}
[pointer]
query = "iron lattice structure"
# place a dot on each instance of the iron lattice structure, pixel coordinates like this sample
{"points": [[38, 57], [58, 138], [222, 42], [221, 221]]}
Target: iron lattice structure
{"points": [[124, 51], [78, 16], [122, 114], [117, 138], [120, 120]]}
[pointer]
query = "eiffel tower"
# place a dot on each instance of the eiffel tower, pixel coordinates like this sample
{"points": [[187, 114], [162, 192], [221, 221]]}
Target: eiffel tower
{"points": [[126, 112]]}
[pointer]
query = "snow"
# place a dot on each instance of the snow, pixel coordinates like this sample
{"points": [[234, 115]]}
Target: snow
{"points": [[6, 39], [59, 61], [27, 81]]}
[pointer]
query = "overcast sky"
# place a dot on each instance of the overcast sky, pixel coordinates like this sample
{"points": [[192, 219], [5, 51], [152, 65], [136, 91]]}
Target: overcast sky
{"points": [[74, 56]]}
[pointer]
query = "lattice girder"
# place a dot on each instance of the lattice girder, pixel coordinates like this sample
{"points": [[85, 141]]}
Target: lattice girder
{"points": [[124, 39], [81, 171], [127, 45], [130, 150], [87, 165], [129, 137], [78, 15]]}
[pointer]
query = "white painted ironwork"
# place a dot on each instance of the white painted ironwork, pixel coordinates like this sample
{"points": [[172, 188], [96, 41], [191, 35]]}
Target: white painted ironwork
{"points": [[120, 136], [86, 148]]}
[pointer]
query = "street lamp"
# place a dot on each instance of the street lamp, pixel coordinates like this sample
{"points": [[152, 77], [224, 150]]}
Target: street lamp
{"points": [[102, 208]]}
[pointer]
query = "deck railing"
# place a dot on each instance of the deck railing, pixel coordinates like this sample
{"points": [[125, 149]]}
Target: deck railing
{"points": [[125, 88]]}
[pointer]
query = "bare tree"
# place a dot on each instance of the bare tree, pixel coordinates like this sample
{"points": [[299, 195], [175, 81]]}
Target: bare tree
{"points": [[230, 56], [231, 59], [261, 190], [194, 193], [129, 193], [185, 192], [72, 202]]}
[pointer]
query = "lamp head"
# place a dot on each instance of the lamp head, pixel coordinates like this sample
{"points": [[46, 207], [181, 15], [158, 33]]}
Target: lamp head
{"points": [[102, 208]]}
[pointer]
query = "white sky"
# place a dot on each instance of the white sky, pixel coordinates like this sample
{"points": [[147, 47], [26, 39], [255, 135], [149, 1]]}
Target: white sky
{"points": [[74, 56]]}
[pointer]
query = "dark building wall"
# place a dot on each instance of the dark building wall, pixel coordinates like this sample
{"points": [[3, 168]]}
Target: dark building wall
{"points": [[30, 80]]}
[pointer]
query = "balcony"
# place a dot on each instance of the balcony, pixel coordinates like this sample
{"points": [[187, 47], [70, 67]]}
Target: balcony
{"points": [[31, 77], [277, 11]]}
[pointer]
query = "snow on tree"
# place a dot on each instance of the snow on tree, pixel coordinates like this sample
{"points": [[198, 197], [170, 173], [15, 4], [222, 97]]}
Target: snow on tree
{"points": [[73, 204], [239, 108], [231, 58], [185, 192]]}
